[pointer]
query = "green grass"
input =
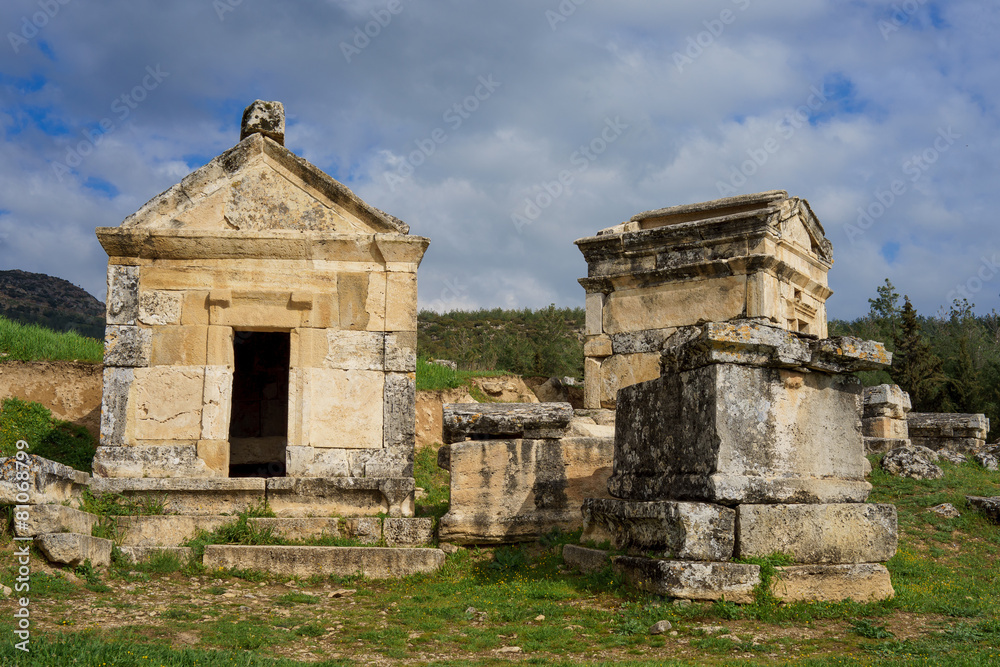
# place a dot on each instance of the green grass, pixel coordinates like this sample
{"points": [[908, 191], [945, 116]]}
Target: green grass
{"points": [[434, 377], [434, 481], [28, 342], [47, 437]]}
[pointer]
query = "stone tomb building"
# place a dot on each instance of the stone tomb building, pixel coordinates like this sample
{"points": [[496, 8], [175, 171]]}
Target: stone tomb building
{"points": [[753, 256], [261, 323]]}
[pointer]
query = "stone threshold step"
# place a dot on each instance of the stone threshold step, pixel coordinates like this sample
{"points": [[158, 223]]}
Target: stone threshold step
{"points": [[287, 496], [174, 529], [142, 554], [372, 562]]}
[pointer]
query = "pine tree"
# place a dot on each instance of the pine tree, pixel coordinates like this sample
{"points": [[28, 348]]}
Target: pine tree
{"points": [[915, 367], [884, 312]]}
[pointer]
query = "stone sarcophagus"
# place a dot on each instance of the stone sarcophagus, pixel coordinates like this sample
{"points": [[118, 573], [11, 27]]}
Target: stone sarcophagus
{"points": [[261, 323], [753, 256]]}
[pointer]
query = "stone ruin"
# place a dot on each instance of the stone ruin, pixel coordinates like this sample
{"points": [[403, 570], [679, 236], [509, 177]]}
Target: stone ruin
{"points": [[754, 256], [749, 440], [261, 346]]}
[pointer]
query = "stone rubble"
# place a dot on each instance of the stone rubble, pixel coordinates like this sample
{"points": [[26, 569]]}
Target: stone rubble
{"points": [[914, 462]]}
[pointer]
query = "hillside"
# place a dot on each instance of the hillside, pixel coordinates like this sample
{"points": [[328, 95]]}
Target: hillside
{"points": [[543, 342], [36, 298]]}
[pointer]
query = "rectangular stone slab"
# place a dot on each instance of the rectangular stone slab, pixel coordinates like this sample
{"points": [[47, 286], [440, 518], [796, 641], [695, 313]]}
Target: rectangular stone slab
{"points": [[54, 519], [500, 421], [731, 434], [690, 580], [861, 582], [340, 496], [839, 533], [373, 562], [584, 559], [209, 496], [74, 549], [668, 529]]}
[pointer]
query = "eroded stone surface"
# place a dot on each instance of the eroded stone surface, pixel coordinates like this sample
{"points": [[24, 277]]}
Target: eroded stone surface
{"points": [[990, 507], [73, 549], [690, 580], [372, 562], [862, 582], [127, 346], [497, 421], [48, 481], [51, 518], [841, 533], [151, 461], [915, 462], [267, 118], [667, 529]]}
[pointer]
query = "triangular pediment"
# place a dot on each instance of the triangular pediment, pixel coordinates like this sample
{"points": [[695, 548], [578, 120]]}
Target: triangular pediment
{"points": [[260, 185]]}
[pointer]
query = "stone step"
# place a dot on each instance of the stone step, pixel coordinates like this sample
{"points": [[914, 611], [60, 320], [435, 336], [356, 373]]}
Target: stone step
{"points": [[398, 531], [585, 559], [166, 530], [372, 562], [287, 496], [141, 554], [74, 548]]}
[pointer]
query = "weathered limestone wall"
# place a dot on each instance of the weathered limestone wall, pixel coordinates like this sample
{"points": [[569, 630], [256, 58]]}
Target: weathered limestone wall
{"points": [[748, 444], [525, 471], [959, 433], [755, 256], [884, 422]]}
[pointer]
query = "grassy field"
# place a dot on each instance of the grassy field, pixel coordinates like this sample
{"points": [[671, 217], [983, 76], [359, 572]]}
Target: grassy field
{"points": [[484, 602], [26, 342]]}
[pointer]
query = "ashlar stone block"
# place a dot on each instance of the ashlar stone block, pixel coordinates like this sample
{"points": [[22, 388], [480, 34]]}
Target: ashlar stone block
{"points": [[126, 346], [668, 529], [731, 434], [831, 534], [115, 405], [354, 350], [690, 580], [123, 294], [159, 308], [327, 407], [168, 402]]}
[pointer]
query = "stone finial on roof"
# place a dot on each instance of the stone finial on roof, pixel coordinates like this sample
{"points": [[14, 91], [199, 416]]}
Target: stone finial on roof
{"points": [[267, 118]]}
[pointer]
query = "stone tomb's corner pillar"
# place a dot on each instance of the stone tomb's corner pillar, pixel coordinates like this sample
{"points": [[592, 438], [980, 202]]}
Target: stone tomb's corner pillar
{"points": [[750, 443]]}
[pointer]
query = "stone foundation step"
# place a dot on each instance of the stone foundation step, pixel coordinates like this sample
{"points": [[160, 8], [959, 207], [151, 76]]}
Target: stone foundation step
{"points": [[287, 496], [372, 562], [171, 530], [43, 519], [142, 554], [735, 582]]}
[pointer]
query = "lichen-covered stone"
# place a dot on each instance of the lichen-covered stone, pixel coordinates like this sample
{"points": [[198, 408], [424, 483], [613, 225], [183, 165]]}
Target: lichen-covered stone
{"points": [[841, 533], [400, 411], [407, 531], [667, 529], [267, 118], [886, 400], [127, 346], [151, 461], [730, 434], [123, 294], [690, 580], [48, 481], [990, 507], [498, 421], [916, 462]]}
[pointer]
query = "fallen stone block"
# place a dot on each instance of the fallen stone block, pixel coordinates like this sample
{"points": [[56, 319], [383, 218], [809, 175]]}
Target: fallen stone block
{"points": [[947, 425], [667, 529], [915, 462], [372, 562], [841, 533], [990, 507], [43, 519], [690, 580], [960, 445], [48, 481], [584, 559], [861, 582], [73, 548], [505, 421], [988, 461]]}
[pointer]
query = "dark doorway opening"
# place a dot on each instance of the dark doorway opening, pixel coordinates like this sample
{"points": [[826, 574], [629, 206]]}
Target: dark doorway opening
{"points": [[258, 428]]}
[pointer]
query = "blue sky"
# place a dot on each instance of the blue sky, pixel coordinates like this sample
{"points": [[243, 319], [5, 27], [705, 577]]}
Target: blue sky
{"points": [[884, 114]]}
